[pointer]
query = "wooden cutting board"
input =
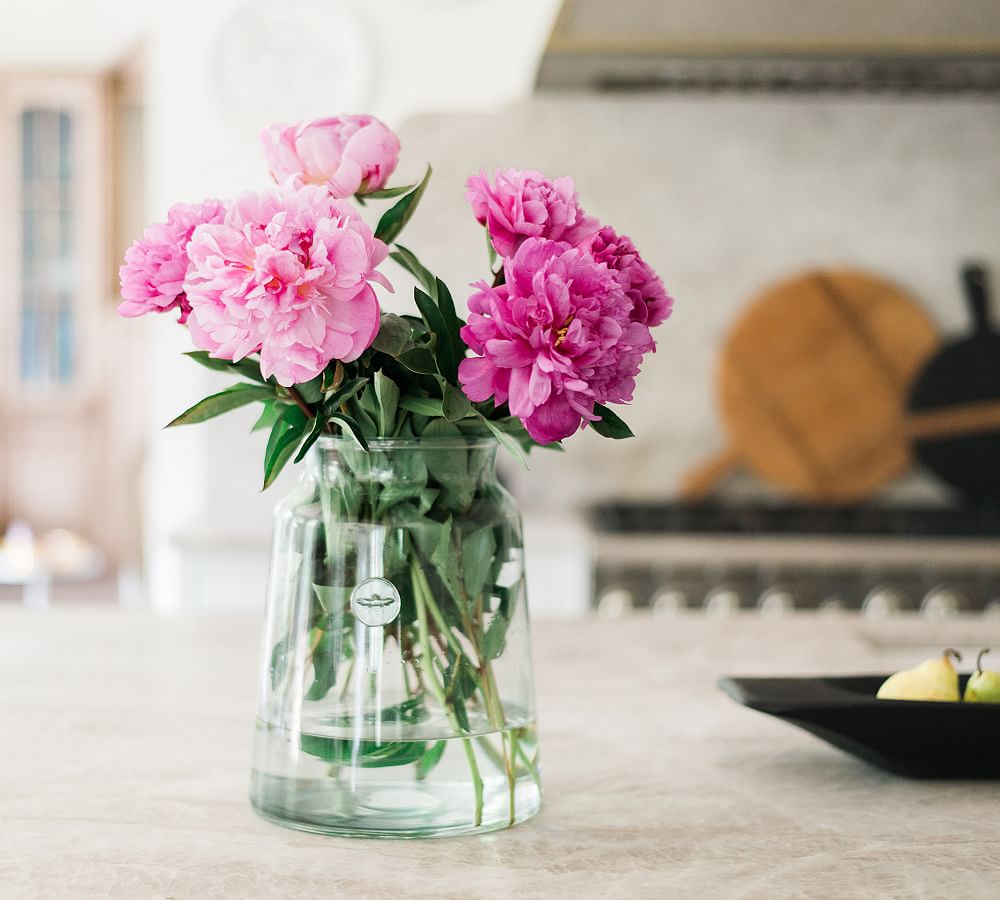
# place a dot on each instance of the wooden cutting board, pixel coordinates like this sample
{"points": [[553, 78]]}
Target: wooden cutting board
{"points": [[812, 383]]}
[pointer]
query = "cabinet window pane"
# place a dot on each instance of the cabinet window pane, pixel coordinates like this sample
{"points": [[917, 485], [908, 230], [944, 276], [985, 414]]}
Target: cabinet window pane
{"points": [[48, 348]]}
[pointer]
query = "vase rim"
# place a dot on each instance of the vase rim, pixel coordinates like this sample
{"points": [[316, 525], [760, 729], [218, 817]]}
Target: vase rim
{"points": [[465, 441]]}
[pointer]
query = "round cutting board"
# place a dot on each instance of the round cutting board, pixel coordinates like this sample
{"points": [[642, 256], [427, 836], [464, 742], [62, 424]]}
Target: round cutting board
{"points": [[812, 383]]}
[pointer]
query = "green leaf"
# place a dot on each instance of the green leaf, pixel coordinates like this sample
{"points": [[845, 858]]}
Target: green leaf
{"points": [[246, 367], [507, 441], [285, 435], [457, 686], [267, 418], [393, 334], [366, 754], [495, 637], [311, 391], [450, 466], [419, 360], [444, 349], [610, 425], [445, 560], [408, 260], [351, 425], [232, 398], [454, 404], [388, 193], [345, 392], [388, 399], [324, 660], [317, 424], [478, 550], [491, 250], [454, 324], [395, 218], [425, 406], [427, 762], [332, 600], [279, 661]]}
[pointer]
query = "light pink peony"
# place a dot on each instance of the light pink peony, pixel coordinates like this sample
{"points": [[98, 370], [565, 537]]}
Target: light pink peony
{"points": [[152, 278], [288, 273], [651, 304], [555, 339], [348, 154], [522, 204]]}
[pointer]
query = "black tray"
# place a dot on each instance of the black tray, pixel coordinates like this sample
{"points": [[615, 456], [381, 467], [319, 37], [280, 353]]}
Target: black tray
{"points": [[913, 738]]}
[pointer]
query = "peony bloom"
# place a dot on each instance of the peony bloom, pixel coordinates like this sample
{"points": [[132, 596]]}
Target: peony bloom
{"points": [[288, 273], [348, 154], [555, 339], [152, 278], [651, 304], [522, 204]]}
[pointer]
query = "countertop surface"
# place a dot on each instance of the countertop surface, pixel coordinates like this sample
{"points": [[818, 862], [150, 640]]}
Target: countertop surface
{"points": [[125, 744]]}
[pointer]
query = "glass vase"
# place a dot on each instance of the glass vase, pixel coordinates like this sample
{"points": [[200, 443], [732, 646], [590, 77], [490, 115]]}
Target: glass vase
{"points": [[396, 694]]}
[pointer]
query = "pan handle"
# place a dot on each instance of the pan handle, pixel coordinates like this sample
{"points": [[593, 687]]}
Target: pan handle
{"points": [[699, 481], [977, 295]]}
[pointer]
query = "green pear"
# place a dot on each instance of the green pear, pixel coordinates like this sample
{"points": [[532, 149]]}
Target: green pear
{"points": [[935, 679], [984, 684]]}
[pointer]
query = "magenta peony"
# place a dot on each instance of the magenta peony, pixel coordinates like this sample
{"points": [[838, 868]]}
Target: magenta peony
{"points": [[348, 154], [556, 338], [288, 273], [651, 304], [152, 278], [522, 204]]}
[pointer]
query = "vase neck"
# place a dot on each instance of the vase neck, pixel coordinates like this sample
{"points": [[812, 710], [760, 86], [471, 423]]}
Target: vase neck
{"points": [[468, 460]]}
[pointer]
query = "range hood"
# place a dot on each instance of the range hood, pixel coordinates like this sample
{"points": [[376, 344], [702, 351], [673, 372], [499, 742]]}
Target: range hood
{"points": [[775, 45]]}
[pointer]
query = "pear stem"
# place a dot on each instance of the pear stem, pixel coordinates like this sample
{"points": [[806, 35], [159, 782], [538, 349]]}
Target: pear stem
{"points": [[979, 660], [951, 651]]}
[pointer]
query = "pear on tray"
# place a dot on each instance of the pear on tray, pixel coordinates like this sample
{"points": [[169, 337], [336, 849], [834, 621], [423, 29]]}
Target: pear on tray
{"points": [[935, 679], [984, 684]]}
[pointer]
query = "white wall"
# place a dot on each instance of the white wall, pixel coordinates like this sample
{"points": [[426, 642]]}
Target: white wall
{"points": [[724, 194]]}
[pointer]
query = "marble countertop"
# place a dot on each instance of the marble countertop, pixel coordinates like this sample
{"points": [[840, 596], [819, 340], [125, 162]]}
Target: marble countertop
{"points": [[125, 743]]}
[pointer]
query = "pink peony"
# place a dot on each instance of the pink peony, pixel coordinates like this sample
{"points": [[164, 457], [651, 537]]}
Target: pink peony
{"points": [[288, 273], [522, 204], [152, 278], [555, 339], [651, 304], [348, 154]]}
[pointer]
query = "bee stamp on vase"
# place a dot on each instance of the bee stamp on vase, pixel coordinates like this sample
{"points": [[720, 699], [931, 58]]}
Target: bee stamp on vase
{"points": [[375, 602]]}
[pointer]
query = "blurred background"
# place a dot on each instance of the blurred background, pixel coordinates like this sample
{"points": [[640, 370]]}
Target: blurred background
{"points": [[810, 177]]}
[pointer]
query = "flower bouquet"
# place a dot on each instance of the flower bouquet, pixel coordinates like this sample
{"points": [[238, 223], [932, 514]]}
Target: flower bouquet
{"points": [[396, 696]]}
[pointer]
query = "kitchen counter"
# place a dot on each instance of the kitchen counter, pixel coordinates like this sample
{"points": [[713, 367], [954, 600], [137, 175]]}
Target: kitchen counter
{"points": [[124, 756]]}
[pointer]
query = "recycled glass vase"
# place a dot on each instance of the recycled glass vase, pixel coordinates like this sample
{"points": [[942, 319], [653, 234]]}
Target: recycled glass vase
{"points": [[396, 693]]}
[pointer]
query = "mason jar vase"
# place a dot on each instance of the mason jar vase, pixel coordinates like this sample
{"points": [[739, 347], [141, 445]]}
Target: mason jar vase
{"points": [[396, 696]]}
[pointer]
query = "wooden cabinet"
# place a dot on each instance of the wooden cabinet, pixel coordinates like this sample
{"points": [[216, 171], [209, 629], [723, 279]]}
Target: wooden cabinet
{"points": [[62, 461]]}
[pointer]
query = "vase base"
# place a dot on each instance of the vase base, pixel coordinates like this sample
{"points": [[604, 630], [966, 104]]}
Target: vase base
{"points": [[387, 810]]}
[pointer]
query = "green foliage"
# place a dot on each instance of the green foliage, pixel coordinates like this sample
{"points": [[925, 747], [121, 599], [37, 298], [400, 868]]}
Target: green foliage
{"points": [[394, 219], [478, 550], [408, 260], [285, 435], [427, 762], [247, 368], [393, 335], [366, 754], [268, 414], [610, 425], [231, 398], [387, 193], [387, 394]]}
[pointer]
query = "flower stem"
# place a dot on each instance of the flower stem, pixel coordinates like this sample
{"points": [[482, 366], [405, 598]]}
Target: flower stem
{"points": [[300, 402], [421, 593]]}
